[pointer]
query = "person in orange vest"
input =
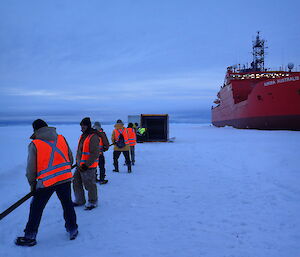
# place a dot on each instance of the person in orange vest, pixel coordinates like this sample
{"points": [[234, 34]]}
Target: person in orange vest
{"points": [[104, 146], [87, 162], [132, 141], [48, 170], [121, 145]]}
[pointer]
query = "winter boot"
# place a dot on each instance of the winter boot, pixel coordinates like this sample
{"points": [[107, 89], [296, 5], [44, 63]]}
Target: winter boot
{"points": [[24, 241], [73, 234], [27, 240], [102, 179], [89, 206]]}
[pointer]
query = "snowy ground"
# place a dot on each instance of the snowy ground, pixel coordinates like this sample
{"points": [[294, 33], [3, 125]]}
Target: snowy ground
{"points": [[214, 192]]}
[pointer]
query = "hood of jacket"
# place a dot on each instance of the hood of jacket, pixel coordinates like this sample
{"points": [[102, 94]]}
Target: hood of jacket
{"points": [[46, 133], [119, 126]]}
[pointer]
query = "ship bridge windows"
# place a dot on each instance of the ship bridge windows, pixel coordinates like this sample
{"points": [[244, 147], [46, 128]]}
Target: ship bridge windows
{"points": [[269, 75]]}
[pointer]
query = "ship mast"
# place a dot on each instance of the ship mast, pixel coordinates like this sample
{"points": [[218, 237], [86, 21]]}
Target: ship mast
{"points": [[258, 52]]}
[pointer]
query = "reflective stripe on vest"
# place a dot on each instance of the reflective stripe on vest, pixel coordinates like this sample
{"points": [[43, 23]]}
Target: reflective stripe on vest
{"points": [[101, 144], [85, 154], [141, 131], [124, 133], [53, 164], [131, 136]]}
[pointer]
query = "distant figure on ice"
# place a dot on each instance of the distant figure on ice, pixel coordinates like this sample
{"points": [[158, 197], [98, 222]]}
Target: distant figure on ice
{"points": [[120, 140], [135, 126], [104, 145], [87, 162], [48, 170], [132, 141]]}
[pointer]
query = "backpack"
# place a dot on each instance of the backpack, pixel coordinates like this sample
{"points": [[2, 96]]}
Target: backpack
{"points": [[120, 143]]}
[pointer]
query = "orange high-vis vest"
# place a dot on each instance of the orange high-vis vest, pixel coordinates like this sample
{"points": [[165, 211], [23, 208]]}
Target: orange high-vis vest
{"points": [[85, 154], [101, 145], [53, 163], [100, 142], [124, 133], [131, 136]]}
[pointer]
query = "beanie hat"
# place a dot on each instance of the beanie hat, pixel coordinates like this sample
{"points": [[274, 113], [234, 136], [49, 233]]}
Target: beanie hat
{"points": [[37, 124], [130, 125], [97, 124], [86, 121], [120, 122]]}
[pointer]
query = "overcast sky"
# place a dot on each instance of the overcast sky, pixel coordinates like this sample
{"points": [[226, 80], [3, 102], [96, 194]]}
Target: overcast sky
{"points": [[64, 60]]}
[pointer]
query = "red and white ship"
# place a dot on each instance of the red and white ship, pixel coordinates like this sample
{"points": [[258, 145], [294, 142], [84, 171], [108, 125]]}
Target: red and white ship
{"points": [[258, 98]]}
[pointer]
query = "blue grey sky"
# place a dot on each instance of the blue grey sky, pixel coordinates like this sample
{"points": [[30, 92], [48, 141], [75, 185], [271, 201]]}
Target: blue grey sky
{"points": [[62, 60]]}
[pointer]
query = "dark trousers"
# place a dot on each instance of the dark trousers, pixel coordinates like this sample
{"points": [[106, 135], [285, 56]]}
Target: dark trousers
{"points": [[132, 154], [116, 156], [140, 138], [101, 164], [39, 201]]}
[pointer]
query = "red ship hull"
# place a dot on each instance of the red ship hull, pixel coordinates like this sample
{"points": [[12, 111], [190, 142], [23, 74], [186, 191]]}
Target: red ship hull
{"points": [[260, 103]]}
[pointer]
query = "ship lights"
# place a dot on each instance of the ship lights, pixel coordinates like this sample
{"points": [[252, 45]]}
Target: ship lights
{"points": [[259, 75]]}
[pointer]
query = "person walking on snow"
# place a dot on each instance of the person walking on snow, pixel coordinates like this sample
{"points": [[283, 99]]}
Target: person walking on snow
{"points": [[104, 146], [87, 162], [48, 170], [121, 145], [132, 141]]}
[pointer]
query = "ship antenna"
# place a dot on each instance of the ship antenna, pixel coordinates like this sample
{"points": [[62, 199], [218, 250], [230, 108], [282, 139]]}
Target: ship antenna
{"points": [[258, 52]]}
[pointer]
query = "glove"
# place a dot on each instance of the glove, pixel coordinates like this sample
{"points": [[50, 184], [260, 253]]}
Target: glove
{"points": [[83, 167], [33, 186]]}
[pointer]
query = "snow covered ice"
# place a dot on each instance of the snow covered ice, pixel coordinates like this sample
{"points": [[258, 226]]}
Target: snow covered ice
{"points": [[214, 192]]}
